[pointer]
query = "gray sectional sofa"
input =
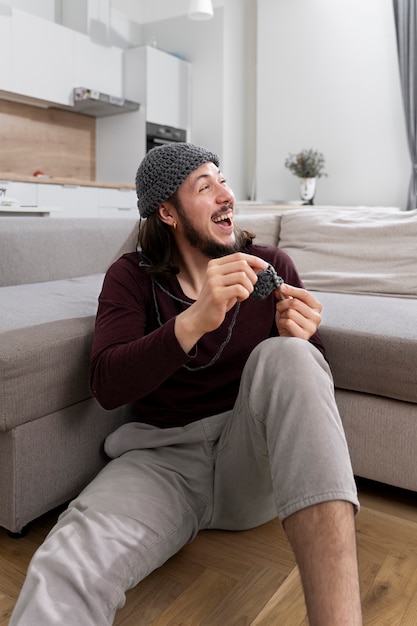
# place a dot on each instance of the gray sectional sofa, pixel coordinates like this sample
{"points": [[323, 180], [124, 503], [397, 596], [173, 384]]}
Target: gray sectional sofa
{"points": [[362, 264]]}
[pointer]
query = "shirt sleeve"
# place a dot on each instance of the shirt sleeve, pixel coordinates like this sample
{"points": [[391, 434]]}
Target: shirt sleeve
{"points": [[127, 361]]}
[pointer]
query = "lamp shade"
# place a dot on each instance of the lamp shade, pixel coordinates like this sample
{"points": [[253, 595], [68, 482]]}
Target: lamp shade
{"points": [[200, 10]]}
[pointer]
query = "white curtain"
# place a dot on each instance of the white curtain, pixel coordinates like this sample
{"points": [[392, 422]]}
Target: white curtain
{"points": [[405, 15]]}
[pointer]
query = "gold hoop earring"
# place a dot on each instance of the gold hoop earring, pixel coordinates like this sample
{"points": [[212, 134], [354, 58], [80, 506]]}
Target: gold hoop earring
{"points": [[174, 225]]}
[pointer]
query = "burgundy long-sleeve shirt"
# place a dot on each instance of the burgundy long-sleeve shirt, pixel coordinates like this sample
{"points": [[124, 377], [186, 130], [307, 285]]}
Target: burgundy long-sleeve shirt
{"points": [[137, 360]]}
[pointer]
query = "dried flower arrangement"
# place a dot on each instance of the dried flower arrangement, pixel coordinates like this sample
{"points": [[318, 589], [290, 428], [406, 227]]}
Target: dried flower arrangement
{"points": [[306, 164]]}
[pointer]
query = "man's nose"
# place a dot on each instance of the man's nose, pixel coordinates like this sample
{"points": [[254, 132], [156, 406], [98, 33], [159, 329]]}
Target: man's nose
{"points": [[224, 193]]}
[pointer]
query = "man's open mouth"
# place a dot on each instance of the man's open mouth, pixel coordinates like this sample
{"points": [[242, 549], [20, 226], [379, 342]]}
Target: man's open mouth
{"points": [[226, 218]]}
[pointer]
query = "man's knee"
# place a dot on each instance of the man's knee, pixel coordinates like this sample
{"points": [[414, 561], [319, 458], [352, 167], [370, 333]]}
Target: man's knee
{"points": [[286, 362], [284, 351]]}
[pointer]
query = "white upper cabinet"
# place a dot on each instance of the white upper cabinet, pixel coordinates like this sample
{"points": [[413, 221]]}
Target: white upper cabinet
{"points": [[5, 47], [161, 82], [167, 89], [42, 59], [97, 67]]}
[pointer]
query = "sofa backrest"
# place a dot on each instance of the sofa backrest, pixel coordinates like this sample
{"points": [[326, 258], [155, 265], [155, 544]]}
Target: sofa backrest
{"points": [[34, 249], [264, 225], [371, 251]]}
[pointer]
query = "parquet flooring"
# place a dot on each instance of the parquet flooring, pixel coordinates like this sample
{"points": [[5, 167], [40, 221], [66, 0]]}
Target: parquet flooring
{"points": [[250, 578]]}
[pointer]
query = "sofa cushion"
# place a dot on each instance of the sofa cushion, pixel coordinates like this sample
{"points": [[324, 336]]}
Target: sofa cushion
{"points": [[371, 343], [353, 251], [46, 342]]}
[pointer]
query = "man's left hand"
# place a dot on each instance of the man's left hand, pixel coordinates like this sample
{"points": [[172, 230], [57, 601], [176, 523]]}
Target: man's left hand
{"points": [[298, 314]]}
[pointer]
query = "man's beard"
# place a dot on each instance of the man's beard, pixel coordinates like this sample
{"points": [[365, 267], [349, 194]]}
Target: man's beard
{"points": [[209, 247]]}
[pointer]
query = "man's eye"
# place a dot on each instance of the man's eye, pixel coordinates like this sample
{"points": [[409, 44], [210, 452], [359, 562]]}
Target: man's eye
{"points": [[204, 187]]}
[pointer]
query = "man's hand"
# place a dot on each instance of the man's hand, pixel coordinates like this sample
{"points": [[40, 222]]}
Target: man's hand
{"points": [[298, 313], [228, 280]]}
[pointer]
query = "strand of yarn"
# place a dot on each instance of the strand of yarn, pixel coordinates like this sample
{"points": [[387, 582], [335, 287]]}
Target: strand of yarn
{"points": [[223, 344]]}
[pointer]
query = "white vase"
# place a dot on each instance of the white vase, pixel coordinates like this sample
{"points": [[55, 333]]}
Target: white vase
{"points": [[308, 190]]}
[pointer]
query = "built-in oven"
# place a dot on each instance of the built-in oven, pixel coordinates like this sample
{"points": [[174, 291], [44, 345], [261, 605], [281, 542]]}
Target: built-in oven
{"points": [[157, 135]]}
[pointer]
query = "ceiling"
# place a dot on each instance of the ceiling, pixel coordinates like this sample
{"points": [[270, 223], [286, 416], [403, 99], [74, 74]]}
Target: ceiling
{"points": [[145, 11]]}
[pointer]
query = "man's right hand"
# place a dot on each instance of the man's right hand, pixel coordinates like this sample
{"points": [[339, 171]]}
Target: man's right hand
{"points": [[228, 280]]}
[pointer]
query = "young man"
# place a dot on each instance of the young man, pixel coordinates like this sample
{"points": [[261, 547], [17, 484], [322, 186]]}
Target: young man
{"points": [[233, 417]]}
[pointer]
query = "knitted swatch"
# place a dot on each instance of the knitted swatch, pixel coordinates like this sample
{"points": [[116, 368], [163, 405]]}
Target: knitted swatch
{"points": [[268, 280]]}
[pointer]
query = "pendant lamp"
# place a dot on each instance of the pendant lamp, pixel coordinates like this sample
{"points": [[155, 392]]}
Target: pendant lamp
{"points": [[200, 10]]}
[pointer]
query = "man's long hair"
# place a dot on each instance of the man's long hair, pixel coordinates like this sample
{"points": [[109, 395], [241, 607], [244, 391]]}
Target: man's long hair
{"points": [[156, 242]]}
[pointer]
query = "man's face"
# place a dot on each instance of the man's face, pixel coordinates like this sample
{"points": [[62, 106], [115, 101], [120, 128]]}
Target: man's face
{"points": [[205, 207]]}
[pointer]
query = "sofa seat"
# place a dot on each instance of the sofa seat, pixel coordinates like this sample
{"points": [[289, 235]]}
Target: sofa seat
{"points": [[45, 351], [371, 343], [49, 301]]}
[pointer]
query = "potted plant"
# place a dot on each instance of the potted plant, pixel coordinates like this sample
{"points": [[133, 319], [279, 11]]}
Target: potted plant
{"points": [[308, 165]]}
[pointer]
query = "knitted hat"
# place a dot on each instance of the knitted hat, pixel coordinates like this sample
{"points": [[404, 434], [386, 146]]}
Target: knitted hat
{"points": [[162, 171]]}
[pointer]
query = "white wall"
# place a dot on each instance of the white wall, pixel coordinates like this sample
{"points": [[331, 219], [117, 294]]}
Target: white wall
{"points": [[328, 79], [239, 100]]}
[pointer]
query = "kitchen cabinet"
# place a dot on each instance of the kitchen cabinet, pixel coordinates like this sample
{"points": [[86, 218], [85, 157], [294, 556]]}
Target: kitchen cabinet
{"points": [[45, 60], [161, 83], [24, 193], [117, 203], [97, 67], [5, 47], [74, 200], [42, 64]]}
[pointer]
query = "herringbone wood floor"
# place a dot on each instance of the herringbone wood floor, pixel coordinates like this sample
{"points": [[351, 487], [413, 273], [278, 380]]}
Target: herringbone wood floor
{"points": [[250, 578]]}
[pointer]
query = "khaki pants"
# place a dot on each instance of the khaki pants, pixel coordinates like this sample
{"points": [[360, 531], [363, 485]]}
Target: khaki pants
{"points": [[281, 448]]}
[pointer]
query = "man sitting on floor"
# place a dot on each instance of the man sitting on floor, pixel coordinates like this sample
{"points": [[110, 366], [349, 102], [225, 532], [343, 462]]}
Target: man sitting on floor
{"points": [[233, 416]]}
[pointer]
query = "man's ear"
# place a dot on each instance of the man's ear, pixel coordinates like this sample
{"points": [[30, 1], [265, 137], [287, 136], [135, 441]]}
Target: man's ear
{"points": [[166, 214]]}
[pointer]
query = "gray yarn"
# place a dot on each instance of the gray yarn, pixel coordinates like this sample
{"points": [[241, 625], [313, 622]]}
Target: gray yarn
{"points": [[268, 281], [162, 171]]}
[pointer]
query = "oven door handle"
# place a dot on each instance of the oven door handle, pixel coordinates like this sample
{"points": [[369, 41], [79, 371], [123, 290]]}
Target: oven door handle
{"points": [[161, 141]]}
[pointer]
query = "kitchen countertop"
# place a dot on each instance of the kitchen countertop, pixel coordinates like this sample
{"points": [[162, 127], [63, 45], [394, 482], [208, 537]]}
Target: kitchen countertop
{"points": [[48, 180]]}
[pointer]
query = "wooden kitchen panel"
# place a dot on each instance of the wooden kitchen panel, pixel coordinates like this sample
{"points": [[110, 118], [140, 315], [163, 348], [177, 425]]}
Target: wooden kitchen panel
{"points": [[59, 143]]}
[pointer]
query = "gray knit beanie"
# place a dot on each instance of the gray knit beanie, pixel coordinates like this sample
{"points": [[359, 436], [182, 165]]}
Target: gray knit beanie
{"points": [[162, 171]]}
